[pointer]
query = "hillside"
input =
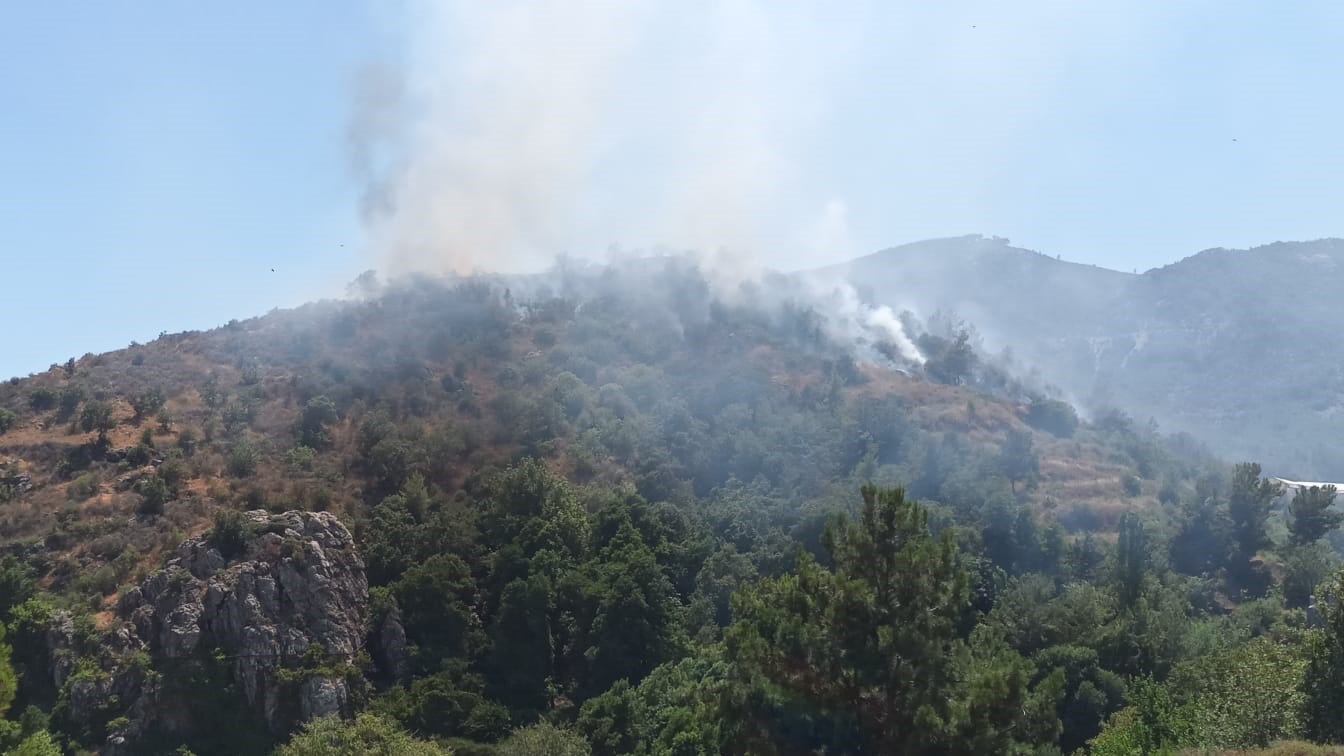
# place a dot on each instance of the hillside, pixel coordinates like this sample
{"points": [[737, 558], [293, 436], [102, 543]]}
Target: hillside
{"points": [[610, 395], [463, 506], [1237, 347]]}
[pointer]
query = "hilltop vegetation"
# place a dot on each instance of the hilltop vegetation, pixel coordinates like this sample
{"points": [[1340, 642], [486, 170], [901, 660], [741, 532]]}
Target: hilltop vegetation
{"points": [[618, 511]]}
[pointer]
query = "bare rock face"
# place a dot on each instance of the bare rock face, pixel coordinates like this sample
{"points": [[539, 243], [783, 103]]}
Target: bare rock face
{"points": [[288, 613]]}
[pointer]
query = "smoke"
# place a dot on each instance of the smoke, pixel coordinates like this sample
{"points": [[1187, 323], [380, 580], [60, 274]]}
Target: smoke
{"points": [[474, 152], [509, 132]]}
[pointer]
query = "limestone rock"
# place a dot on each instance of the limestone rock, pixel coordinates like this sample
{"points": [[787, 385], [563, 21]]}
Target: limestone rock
{"points": [[286, 613]]}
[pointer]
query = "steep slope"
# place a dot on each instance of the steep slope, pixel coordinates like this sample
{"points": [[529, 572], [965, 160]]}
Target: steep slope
{"points": [[335, 405]]}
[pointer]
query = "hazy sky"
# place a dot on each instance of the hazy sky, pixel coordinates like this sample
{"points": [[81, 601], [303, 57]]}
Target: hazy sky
{"points": [[159, 160]]}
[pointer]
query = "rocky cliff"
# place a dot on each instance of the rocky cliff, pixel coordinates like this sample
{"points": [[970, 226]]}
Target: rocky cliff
{"points": [[282, 600]]}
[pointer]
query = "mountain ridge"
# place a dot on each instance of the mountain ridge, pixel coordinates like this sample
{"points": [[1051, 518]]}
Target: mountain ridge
{"points": [[1173, 343]]}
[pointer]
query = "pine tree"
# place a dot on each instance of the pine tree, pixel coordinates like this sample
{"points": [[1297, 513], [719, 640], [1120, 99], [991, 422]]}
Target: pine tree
{"points": [[875, 656], [1131, 558], [1248, 505], [1310, 515], [1018, 459]]}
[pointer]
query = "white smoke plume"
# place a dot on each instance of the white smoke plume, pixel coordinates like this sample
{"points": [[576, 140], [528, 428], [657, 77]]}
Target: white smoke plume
{"points": [[513, 131], [509, 131], [475, 155]]}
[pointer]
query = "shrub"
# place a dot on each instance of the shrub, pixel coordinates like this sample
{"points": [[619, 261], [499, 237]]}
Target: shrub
{"points": [[311, 429], [82, 487], [97, 415], [543, 739], [1133, 485], [7, 419], [186, 441], [146, 403], [154, 494], [367, 734], [69, 400], [42, 399], [139, 455], [301, 457], [230, 533], [320, 498], [1052, 416], [242, 460]]}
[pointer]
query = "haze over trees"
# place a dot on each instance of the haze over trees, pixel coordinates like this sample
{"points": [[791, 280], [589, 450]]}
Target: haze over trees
{"points": [[1173, 343], [617, 513]]}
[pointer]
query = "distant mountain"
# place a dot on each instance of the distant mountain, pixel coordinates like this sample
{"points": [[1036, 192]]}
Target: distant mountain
{"points": [[1241, 348]]}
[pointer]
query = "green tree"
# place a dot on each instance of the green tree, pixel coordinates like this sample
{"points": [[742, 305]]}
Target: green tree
{"points": [[16, 584], [97, 415], [146, 403], [535, 509], [1305, 568], [37, 744], [875, 651], [1153, 723], [311, 427], [1203, 540], [543, 739], [613, 722], [1052, 416], [230, 533], [523, 653], [154, 495], [242, 460], [70, 397], [7, 419], [9, 681], [637, 621], [1248, 506], [721, 574], [367, 735], [1017, 459], [1131, 559], [1310, 517], [1323, 680], [1090, 693], [437, 599], [42, 399], [953, 361], [1246, 697]]}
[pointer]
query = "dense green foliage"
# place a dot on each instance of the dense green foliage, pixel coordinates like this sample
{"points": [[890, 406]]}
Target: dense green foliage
{"points": [[367, 735]]}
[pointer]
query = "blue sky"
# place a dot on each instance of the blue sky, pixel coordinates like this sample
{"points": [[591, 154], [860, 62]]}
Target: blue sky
{"points": [[160, 159]]}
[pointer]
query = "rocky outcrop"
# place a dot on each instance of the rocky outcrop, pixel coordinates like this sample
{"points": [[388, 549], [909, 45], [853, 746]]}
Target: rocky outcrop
{"points": [[13, 479], [287, 613]]}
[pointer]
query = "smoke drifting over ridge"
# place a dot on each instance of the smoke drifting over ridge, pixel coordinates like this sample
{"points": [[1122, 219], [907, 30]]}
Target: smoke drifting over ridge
{"points": [[511, 132]]}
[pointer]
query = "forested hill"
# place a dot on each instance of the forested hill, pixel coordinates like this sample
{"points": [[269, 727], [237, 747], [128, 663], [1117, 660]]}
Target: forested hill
{"points": [[622, 510], [1239, 347]]}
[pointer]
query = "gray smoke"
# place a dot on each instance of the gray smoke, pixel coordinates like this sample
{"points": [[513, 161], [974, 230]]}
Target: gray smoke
{"points": [[512, 131]]}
